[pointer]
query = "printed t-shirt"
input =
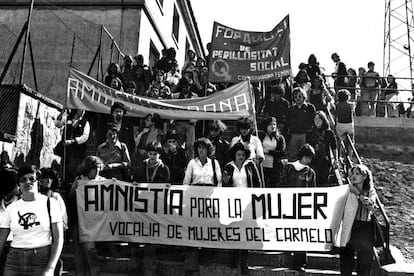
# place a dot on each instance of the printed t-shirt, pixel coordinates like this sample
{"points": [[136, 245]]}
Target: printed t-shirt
{"points": [[29, 223]]}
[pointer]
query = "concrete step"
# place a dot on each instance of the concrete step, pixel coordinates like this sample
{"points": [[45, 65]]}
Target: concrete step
{"points": [[279, 259], [170, 262]]}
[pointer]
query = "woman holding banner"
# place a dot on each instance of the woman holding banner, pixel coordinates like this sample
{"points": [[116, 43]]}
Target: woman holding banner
{"points": [[203, 170], [357, 228], [85, 252], [242, 173]]}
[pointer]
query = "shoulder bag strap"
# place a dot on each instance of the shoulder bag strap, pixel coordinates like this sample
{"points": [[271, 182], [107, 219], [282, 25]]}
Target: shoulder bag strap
{"points": [[213, 163]]}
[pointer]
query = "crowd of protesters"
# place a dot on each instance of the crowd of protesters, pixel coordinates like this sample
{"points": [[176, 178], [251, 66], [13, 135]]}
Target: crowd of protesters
{"points": [[293, 144]]}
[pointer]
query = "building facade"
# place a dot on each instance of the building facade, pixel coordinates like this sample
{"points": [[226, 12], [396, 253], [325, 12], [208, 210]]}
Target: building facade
{"points": [[67, 33]]}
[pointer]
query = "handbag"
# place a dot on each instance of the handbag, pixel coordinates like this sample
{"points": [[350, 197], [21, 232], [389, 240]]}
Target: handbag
{"points": [[58, 150], [381, 252]]}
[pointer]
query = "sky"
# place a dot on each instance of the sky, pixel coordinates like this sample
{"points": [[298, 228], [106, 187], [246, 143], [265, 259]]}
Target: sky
{"points": [[352, 28]]}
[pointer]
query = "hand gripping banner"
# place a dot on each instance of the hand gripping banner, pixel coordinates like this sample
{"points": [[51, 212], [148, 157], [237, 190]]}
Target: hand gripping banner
{"points": [[237, 55], [86, 93], [292, 219]]}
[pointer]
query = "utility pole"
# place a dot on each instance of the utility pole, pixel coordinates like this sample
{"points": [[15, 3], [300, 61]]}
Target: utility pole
{"points": [[398, 53]]}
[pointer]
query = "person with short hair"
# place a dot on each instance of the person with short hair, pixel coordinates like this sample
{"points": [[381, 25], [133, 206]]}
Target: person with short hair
{"points": [[241, 172], [369, 95], [49, 186], [186, 128], [299, 174], [142, 75], [277, 106], [298, 122], [86, 254], [130, 87], [172, 77], [35, 222], [391, 94], [345, 111], [202, 170], [151, 132], [215, 129], [174, 157], [154, 91], [303, 81], [124, 125], [244, 127], [357, 231], [115, 155], [340, 73], [153, 170]]}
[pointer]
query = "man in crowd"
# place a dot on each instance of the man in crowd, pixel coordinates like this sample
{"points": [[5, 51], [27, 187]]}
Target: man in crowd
{"points": [[122, 123], [340, 72], [114, 155], [299, 121], [369, 95]]}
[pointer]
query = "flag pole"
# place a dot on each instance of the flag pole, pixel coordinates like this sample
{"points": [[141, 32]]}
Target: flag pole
{"points": [[255, 126]]}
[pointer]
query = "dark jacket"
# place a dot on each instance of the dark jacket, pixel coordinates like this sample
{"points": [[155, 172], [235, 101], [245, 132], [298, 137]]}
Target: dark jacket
{"points": [[277, 109], [322, 142], [177, 164], [253, 176], [291, 177], [145, 175], [300, 120], [221, 148]]}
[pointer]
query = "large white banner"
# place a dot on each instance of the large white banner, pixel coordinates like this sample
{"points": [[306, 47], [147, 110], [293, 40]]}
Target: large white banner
{"points": [[292, 219]]}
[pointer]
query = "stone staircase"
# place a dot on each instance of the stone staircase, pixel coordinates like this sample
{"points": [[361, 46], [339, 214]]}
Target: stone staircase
{"points": [[170, 262]]}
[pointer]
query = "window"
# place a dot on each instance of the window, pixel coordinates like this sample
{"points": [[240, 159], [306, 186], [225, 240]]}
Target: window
{"points": [[176, 24], [154, 55], [187, 46]]}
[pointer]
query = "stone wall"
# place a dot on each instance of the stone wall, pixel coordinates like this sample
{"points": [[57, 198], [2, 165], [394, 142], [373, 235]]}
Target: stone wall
{"points": [[385, 138]]}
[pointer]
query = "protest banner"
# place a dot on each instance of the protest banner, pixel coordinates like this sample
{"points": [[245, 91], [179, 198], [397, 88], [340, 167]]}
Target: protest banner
{"points": [[237, 55], [293, 219], [84, 92]]}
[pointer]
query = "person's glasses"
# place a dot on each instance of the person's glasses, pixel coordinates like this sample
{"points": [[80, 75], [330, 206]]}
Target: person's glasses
{"points": [[25, 179], [298, 97]]}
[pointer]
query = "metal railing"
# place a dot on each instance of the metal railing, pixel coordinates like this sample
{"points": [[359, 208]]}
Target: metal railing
{"points": [[347, 164]]}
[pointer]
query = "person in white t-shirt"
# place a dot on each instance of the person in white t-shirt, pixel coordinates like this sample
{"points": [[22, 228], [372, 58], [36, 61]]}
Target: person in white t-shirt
{"points": [[35, 222]]}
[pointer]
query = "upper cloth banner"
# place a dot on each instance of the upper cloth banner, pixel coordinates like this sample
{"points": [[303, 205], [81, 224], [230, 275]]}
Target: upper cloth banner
{"points": [[89, 94], [237, 55], [293, 219]]}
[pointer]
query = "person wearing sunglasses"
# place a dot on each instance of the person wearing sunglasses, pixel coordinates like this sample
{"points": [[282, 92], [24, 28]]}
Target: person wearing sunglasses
{"points": [[35, 222]]}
